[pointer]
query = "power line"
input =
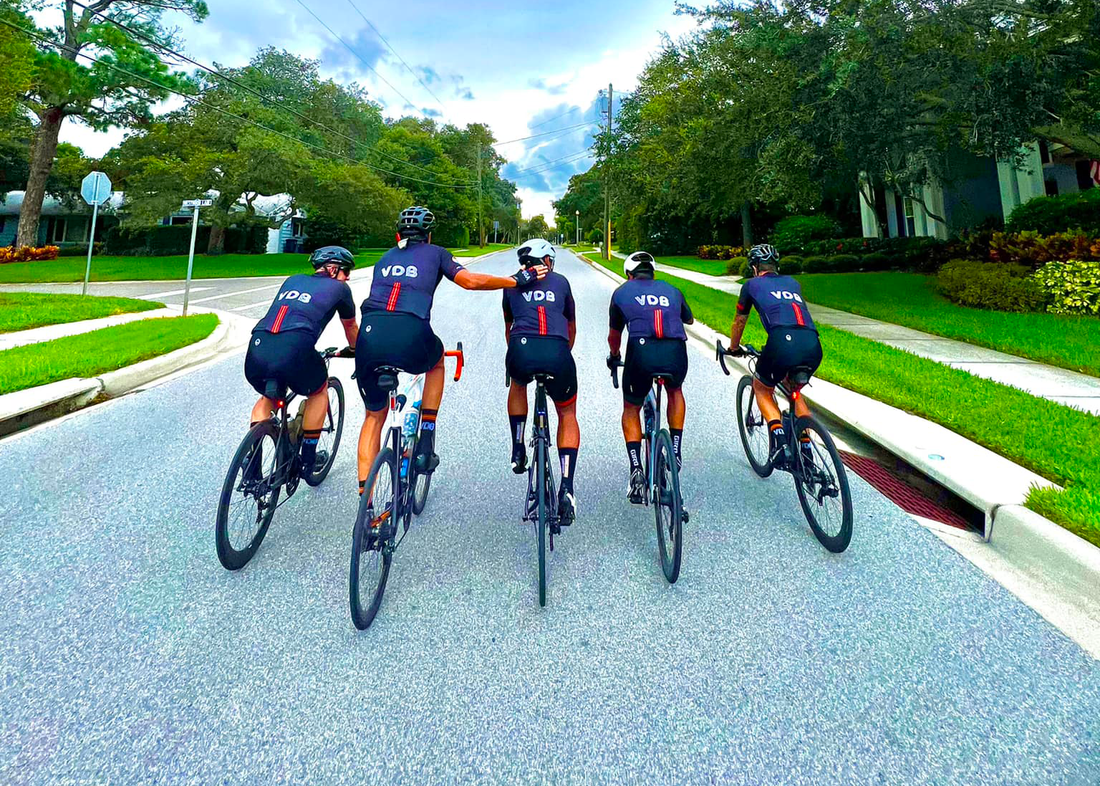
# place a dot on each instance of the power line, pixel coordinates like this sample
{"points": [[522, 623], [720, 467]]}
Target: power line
{"points": [[555, 117], [581, 153], [378, 33], [544, 133], [232, 80], [572, 160], [200, 102]]}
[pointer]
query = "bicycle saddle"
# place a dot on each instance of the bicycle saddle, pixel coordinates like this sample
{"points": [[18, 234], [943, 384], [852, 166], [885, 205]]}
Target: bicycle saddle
{"points": [[800, 376], [663, 377], [387, 377], [544, 377], [274, 391]]}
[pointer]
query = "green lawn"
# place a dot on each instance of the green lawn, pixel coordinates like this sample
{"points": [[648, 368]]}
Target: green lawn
{"points": [[712, 267], [26, 310], [911, 300], [1054, 441], [100, 351], [173, 268], [474, 251]]}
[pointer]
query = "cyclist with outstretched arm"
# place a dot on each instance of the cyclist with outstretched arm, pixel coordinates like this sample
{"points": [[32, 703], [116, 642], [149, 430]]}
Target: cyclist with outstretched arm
{"points": [[540, 326], [655, 313], [792, 339], [396, 328]]}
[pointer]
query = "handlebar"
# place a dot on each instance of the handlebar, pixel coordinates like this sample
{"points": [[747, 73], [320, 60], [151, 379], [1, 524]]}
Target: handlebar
{"points": [[721, 353], [333, 352], [457, 354]]}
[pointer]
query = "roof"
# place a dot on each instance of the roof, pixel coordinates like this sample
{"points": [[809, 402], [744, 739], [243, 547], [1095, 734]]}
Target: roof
{"points": [[51, 206]]}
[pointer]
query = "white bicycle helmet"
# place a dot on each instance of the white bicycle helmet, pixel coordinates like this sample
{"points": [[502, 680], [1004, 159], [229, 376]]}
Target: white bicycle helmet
{"points": [[636, 260], [535, 250]]}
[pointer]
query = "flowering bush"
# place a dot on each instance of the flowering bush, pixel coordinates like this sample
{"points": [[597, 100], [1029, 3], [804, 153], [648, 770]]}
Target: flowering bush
{"points": [[1031, 248], [27, 253], [1074, 286]]}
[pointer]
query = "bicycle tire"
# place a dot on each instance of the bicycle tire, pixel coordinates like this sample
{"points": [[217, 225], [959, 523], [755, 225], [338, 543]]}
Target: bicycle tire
{"points": [[541, 470], [668, 507], [839, 541], [422, 484], [229, 555], [336, 422], [380, 555], [746, 398]]}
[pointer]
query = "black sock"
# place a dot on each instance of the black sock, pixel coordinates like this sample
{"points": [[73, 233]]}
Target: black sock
{"points": [[677, 445], [568, 458], [309, 448], [362, 485], [425, 442], [634, 452], [779, 436], [517, 424]]}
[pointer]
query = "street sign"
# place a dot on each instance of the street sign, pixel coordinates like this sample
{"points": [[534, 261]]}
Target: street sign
{"points": [[496, 225], [198, 202], [95, 188]]}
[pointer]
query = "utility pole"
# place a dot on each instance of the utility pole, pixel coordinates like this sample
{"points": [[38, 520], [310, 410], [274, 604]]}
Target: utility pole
{"points": [[606, 185], [480, 236]]}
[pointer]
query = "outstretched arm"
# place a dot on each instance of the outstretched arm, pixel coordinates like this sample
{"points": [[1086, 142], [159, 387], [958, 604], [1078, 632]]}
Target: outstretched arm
{"points": [[480, 281]]}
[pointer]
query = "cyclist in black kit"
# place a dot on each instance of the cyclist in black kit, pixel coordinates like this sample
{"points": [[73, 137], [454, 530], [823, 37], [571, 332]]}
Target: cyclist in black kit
{"points": [[283, 342], [396, 328], [540, 326], [792, 338], [655, 313]]}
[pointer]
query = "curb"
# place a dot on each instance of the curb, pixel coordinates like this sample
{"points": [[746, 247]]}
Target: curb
{"points": [[116, 383]]}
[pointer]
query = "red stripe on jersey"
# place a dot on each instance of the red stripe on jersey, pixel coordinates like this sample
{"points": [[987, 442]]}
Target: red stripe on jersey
{"points": [[391, 304], [798, 314], [278, 324], [542, 320], [659, 323]]}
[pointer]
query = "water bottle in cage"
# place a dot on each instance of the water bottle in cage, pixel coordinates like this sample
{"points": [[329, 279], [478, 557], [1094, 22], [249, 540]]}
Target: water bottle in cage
{"points": [[412, 421]]}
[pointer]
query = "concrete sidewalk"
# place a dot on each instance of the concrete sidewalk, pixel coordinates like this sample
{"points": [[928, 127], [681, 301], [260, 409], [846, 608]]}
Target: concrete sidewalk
{"points": [[1038, 379]]}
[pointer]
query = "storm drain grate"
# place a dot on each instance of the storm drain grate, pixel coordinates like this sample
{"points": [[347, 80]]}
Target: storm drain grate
{"points": [[909, 499]]}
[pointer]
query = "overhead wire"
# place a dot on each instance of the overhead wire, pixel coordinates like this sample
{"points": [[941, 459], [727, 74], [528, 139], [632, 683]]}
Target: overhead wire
{"points": [[555, 117], [556, 165], [545, 133], [580, 153]]}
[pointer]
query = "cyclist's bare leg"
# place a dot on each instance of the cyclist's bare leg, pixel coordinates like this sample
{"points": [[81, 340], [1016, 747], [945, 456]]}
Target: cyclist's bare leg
{"points": [[517, 400], [262, 409], [677, 409], [569, 442], [429, 409], [632, 423], [433, 387], [765, 399], [800, 408], [569, 431], [370, 436], [316, 409]]}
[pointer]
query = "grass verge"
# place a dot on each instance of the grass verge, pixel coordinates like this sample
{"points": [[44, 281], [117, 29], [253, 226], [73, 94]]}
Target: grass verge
{"points": [[100, 351], [474, 251], [27, 310], [911, 300], [172, 268], [1054, 441], [712, 267]]}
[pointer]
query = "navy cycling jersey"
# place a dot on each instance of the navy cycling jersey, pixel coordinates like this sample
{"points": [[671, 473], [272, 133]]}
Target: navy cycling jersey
{"points": [[650, 309], [545, 308], [405, 279], [778, 299], [307, 303]]}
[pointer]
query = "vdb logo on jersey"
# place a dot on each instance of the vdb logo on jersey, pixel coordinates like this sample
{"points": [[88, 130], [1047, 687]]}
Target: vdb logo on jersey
{"points": [[782, 294], [653, 300], [399, 270], [294, 294], [539, 295]]}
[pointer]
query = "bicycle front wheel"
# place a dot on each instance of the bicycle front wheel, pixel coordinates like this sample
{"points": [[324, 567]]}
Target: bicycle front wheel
{"points": [[372, 540], [822, 485], [542, 489], [754, 429], [422, 484], [668, 507], [329, 441], [249, 497]]}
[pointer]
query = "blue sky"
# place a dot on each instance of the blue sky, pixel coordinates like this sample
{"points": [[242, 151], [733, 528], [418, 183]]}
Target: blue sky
{"points": [[522, 67]]}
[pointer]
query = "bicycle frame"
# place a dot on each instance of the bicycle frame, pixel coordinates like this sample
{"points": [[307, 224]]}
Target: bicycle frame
{"points": [[540, 434]]}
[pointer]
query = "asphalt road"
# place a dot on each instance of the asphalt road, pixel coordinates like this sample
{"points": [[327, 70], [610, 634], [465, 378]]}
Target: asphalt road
{"points": [[128, 655]]}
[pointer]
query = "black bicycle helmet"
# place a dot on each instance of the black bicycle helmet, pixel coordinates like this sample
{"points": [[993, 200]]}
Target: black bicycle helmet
{"points": [[332, 255], [763, 254], [415, 220]]}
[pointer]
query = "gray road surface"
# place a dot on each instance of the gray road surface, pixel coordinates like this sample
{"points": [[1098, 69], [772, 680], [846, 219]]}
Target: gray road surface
{"points": [[128, 655]]}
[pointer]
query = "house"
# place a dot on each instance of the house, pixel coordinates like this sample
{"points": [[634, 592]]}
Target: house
{"points": [[984, 189], [64, 222], [289, 237]]}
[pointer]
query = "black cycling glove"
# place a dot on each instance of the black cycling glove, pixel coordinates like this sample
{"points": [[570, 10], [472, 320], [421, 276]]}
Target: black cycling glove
{"points": [[346, 352], [613, 362], [525, 277]]}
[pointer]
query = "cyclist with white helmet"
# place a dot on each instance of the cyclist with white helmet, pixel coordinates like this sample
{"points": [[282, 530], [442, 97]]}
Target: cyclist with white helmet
{"points": [[396, 328], [655, 313], [792, 338], [283, 342], [540, 326]]}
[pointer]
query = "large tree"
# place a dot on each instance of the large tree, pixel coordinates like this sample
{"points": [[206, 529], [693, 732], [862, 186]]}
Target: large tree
{"points": [[119, 90]]}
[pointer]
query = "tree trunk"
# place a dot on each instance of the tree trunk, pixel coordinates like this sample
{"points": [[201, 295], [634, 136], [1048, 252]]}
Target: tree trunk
{"points": [[42, 158], [746, 226], [216, 245]]}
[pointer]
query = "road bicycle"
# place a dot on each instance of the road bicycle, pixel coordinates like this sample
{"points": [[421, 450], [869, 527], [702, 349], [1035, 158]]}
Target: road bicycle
{"points": [[811, 455], [393, 493], [662, 478], [266, 464]]}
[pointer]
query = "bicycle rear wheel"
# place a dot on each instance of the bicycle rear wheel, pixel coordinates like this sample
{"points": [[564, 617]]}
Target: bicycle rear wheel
{"points": [[754, 430], [371, 554], [667, 507], [249, 498], [822, 486], [542, 489], [329, 441]]}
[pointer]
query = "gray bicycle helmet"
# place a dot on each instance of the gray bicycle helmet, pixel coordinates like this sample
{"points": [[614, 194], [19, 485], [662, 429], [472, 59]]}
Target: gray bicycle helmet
{"points": [[415, 220], [332, 255], [763, 254]]}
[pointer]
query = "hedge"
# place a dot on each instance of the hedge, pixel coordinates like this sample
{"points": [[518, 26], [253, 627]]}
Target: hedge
{"points": [[175, 240], [990, 285], [1053, 214]]}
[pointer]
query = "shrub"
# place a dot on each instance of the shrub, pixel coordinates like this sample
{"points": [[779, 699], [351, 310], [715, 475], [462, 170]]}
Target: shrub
{"points": [[28, 253], [794, 232], [719, 252], [81, 250], [846, 245], [1034, 249], [845, 263], [594, 236], [790, 264], [1074, 286], [1051, 215], [992, 286], [163, 241], [739, 266], [815, 264], [878, 260]]}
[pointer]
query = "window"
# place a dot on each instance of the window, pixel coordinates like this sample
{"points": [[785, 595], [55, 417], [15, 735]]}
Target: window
{"points": [[296, 228], [910, 220], [55, 230], [180, 220], [1052, 187], [1044, 152]]}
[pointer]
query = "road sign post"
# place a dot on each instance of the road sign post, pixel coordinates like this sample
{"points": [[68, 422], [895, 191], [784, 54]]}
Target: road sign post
{"points": [[96, 189], [496, 228], [194, 204]]}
